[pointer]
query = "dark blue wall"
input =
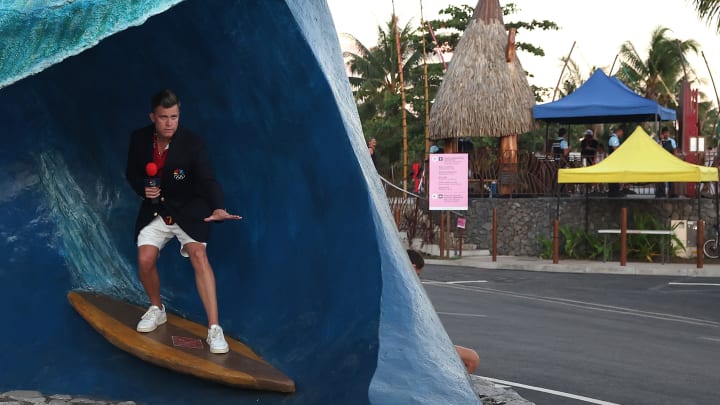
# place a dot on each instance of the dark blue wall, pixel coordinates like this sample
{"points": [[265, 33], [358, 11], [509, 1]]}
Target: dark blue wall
{"points": [[300, 279]]}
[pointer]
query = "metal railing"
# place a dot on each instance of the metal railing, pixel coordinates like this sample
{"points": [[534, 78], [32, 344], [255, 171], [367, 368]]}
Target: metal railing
{"points": [[534, 174]]}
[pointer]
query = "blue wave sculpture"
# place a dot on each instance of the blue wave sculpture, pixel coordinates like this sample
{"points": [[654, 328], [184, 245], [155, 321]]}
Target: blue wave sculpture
{"points": [[314, 278]]}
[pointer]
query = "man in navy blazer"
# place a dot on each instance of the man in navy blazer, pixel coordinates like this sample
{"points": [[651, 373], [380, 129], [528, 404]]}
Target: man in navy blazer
{"points": [[183, 205]]}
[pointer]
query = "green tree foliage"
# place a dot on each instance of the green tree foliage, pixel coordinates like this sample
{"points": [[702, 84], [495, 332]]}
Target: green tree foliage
{"points": [[459, 17], [658, 76], [709, 10], [574, 78], [376, 83], [708, 117]]}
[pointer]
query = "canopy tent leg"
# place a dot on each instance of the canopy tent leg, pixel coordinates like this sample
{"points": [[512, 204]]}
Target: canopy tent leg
{"points": [[556, 225]]}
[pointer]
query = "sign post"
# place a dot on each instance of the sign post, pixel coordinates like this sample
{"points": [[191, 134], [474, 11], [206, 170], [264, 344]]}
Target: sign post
{"points": [[460, 226]]}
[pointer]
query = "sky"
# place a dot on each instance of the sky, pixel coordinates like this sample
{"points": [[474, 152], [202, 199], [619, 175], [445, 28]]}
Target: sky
{"points": [[598, 29]]}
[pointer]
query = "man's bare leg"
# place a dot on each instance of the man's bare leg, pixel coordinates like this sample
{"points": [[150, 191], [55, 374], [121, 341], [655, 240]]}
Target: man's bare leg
{"points": [[147, 271], [205, 280]]}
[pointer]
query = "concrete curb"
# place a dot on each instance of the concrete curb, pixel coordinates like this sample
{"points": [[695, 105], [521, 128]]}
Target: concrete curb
{"points": [[581, 266], [490, 393]]}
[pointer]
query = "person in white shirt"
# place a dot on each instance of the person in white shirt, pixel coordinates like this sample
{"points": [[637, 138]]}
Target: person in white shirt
{"points": [[615, 139], [669, 144]]}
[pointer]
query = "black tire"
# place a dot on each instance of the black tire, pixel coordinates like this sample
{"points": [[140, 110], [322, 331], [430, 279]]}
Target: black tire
{"points": [[712, 249]]}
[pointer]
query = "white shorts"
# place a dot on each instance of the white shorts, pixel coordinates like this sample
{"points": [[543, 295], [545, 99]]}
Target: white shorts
{"points": [[158, 234]]}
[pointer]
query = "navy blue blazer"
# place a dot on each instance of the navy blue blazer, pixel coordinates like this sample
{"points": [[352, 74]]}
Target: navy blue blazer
{"points": [[189, 190]]}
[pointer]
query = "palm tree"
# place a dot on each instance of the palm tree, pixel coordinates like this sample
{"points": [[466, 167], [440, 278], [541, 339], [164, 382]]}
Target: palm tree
{"points": [[574, 78], [376, 86], [656, 77], [709, 10], [708, 120]]}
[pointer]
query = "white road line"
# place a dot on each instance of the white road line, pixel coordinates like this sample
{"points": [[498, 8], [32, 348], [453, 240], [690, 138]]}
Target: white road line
{"points": [[461, 314], [549, 391], [453, 282], [709, 338], [703, 284], [586, 305]]}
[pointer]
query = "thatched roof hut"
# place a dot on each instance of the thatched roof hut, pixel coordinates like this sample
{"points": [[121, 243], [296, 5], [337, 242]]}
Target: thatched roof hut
{"points": [[485, 91]]}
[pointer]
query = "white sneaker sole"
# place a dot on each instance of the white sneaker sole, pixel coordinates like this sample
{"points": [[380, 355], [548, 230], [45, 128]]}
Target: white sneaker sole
{"points": [[150, 329], [220, 351]]}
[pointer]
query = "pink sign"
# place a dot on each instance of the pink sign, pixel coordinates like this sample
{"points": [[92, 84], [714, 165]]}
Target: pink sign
{"points": [[461, 222], [448, 182]]}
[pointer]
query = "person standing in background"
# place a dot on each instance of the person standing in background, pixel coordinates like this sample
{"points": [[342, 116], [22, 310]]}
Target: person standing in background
{"points": [[669, 144], [561, 148], [666, 142], [588, 148], [616, 137], [372, 144]]}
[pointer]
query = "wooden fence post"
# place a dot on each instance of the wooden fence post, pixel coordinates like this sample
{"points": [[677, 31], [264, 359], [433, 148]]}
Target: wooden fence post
{"points": [[494, 234], [623, 236], [460, 233], [442, 234], [556, 241], [700, 243]]}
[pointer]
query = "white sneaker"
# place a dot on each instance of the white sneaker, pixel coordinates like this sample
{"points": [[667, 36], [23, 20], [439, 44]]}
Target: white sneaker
{"points": [[216, 340], [153, 318]]}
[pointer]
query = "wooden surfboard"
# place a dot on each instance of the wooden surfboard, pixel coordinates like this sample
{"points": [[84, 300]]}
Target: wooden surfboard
{"points": [[178, 345]]}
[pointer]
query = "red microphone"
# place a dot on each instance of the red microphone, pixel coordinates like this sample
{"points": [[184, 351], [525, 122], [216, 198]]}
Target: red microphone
{"points": [[151, 169]]}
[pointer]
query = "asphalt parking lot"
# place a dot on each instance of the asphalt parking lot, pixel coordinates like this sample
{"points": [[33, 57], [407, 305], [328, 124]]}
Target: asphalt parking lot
{"points": [[566, 338]]}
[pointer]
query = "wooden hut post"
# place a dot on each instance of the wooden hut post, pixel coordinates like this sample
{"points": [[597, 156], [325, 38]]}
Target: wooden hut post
{"points": [[508, 146]]}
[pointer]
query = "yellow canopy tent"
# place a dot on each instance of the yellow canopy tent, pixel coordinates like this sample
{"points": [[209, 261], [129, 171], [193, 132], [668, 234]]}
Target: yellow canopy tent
{"points": [[639, 160]]}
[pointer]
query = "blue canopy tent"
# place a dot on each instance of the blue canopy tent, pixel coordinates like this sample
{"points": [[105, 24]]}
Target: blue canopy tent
{"points": [[602, 99]]}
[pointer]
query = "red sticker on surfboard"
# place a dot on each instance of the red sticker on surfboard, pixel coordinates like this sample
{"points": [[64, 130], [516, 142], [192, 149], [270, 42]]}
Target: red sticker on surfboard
{"points": [[186, 342]]}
